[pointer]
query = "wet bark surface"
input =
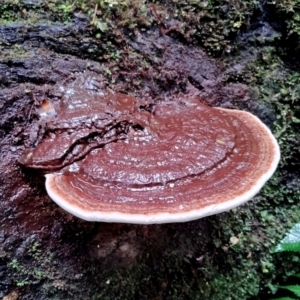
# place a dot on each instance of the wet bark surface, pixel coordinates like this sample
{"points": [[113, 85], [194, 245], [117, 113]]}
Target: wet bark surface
{"points": [[53, 254]]}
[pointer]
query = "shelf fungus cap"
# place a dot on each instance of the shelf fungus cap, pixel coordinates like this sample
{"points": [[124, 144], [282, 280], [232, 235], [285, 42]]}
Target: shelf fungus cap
{"points": [[179, 162]]}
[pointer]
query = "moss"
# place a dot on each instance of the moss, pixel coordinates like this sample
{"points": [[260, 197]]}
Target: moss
{"points": [[34, 268], [291, 12], [22, 11], [213, 24], [279, 85]]}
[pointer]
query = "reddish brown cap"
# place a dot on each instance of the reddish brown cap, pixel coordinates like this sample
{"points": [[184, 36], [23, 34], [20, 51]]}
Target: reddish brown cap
{"points": [[181, 162]]}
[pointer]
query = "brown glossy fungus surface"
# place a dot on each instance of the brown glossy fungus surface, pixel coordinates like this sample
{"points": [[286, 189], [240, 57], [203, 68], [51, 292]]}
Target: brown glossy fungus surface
{"points": [[113, 161]]}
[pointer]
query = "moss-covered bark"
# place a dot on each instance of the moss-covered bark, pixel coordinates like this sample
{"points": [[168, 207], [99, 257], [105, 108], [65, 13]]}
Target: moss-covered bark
{"points": [[46, 253]]}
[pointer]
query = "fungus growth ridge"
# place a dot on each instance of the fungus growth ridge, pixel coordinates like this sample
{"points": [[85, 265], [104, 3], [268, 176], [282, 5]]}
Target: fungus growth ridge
{"points": [[107, 158]]}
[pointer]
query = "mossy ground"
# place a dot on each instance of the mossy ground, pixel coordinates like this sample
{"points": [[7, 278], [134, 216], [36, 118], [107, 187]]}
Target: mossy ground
{"points": [[228, 256]]}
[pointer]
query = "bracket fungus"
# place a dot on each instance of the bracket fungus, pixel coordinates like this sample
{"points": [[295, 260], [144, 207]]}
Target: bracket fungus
{"points": [[109, 159]]}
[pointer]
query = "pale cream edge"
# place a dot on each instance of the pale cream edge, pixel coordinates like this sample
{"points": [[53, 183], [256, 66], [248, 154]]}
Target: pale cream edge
{"points": [[116, 217]]}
